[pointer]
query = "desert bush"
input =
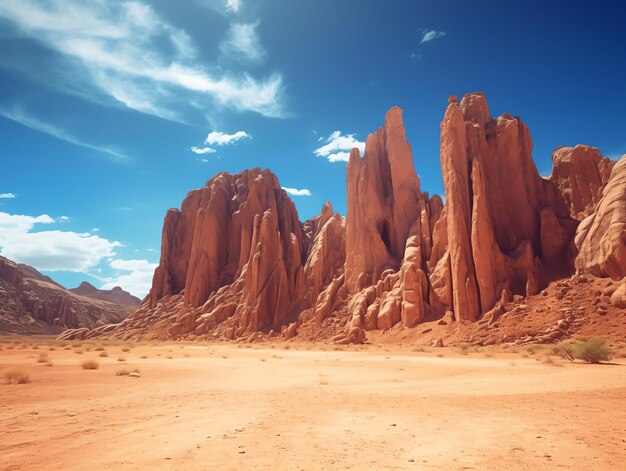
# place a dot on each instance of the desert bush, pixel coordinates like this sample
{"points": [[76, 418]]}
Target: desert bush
{"points": [[103, 354], [43, 357], [78, 351], [121, 359], [591, 351], [125, 372], [126, 349], [90, 365], [16, 377]]}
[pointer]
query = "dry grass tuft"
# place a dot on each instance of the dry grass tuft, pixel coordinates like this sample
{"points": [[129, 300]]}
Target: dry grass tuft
{"points": [[89, 365], [16, 376], [121, 359], [125, 372]]}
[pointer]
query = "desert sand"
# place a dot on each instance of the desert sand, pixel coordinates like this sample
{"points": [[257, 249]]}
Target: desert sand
{"points": [[308, 407]]}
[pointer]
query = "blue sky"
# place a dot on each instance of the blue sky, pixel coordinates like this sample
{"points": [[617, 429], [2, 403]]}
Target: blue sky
{"points": [[110, 112]]}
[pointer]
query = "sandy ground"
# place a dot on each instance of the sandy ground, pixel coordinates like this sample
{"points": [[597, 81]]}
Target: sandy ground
{"points": [[308, 408]]}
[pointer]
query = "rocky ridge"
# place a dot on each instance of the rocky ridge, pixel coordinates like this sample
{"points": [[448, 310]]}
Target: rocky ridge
{"points": [[237, 263], [31, 303]]}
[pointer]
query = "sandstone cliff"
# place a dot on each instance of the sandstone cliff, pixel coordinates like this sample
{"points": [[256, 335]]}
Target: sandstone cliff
{"points": [[236, 262]]}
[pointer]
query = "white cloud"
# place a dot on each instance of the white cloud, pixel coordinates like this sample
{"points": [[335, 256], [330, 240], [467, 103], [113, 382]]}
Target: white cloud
{"points": [[135, 276], [338, 147], [233, 5], [242, 43], [431, 35], [297, 192], [127, 51], [224, 139], [50, 250], [63, 219], [202, 150], [22, 117], [7, 195], [204, 161]]}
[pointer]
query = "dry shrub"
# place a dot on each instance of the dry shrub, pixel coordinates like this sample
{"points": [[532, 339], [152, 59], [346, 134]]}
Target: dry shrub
{"points": [[532, 349], [89, 365], [125, 372], [78, 351], [43, 357], [16, 376], [121, 359], [591, 351], [103, 354]]}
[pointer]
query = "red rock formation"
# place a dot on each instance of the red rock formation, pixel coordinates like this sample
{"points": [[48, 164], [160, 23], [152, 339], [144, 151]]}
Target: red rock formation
{"points": [[389, 235], [509, 222], [383, 203], [236, 261], [580, 173], [454, 166], [601, 237]]}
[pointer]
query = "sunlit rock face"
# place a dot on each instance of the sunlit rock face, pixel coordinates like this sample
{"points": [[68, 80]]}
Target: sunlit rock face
{"points": [[235, 259]]}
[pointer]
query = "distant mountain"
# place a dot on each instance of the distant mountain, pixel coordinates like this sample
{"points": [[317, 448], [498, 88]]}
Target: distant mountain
{"points": [[115, 295], [32, 303]]}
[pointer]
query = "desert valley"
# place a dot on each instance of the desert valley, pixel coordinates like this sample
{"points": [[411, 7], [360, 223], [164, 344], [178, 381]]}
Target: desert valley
{"points": [[409, 319], [480, 327]]}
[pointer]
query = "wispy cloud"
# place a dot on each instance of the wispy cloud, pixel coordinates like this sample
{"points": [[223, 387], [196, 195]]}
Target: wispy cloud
{"points": [[22, 117], [297, 192], [430, 35], [242, 43], [127, 51], [222, 139], [338, 147], [202, 150], [7, 195]]}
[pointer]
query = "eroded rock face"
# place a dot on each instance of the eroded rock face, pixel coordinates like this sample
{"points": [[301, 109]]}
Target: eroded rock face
{"points": [[236, 261], [383, 203], [580, 173], [601, 237], [504, 221], [389, 232], [31, 303]]}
